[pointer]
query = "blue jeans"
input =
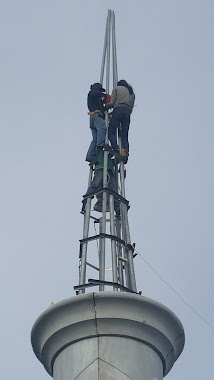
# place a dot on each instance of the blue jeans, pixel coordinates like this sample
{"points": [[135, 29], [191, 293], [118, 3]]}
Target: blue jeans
{"points": [[120, 119], [98, 129]]}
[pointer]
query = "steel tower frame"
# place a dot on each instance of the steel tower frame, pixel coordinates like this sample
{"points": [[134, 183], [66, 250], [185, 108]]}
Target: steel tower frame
{"points": [[122, 251]]}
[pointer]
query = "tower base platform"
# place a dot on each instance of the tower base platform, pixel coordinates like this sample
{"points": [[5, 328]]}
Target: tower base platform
{"points": [[108, 336]]}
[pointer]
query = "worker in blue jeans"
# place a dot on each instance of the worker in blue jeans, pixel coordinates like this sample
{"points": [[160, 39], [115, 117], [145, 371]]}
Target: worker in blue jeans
{"points": [[96, 97]]}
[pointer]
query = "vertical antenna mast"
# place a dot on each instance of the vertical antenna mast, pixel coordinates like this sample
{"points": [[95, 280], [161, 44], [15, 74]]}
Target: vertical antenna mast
{"points": [[114, 229], [114, 334]]}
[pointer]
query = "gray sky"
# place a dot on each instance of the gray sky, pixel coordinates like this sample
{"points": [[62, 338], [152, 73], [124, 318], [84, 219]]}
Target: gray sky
{"points": [[50, 54]]}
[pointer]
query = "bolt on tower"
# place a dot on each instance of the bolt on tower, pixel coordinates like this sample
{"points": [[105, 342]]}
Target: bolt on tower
{"points": [[113, 333]]}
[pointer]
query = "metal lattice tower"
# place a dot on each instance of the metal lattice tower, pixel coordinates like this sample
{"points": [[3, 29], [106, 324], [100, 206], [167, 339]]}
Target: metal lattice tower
{"points": [[113, 229], [116, 334]]}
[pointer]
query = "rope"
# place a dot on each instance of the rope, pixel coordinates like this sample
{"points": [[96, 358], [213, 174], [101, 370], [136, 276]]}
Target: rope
{"points": [[174, 291]]}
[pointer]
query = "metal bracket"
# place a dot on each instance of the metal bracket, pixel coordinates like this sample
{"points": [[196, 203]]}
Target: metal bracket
{"points": [[94, 282]]}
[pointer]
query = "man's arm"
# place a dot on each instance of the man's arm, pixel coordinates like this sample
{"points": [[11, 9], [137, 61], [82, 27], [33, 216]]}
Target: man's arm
{"points": [[97, 94], [113, 99]]}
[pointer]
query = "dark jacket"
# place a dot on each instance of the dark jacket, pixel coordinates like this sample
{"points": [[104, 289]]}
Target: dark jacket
{"points": [[95, 101]]}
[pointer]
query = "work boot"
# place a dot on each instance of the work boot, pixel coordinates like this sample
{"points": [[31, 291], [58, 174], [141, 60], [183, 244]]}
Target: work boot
{"points": [[123, 152], [124, 155]]}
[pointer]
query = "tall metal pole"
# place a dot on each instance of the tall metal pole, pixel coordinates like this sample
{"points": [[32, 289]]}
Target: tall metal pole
{"points": [[104, 51], [102, 241], [114, 52]]}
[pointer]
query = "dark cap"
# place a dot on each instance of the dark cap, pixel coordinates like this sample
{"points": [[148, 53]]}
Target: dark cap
{"points": [[98, 86]]}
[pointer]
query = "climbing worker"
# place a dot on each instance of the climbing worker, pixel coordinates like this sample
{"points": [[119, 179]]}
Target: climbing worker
{"points": [[97, 182], [95, 101], [122, 102]]}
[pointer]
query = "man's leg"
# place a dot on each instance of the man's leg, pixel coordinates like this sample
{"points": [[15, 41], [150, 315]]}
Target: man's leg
{"points": [[92, 148], [99, 124], [125, 122], [112, 130]]}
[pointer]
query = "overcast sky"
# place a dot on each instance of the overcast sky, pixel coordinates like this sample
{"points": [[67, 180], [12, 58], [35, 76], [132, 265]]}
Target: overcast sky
{"points": [[50, 54]]}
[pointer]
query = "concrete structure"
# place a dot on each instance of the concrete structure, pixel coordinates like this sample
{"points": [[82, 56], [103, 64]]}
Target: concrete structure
{"points": [[114, 335], [108, 336]]}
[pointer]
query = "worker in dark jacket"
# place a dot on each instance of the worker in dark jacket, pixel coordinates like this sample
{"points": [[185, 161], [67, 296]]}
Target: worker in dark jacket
{"points": [[95, 101], [122, 102]]}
